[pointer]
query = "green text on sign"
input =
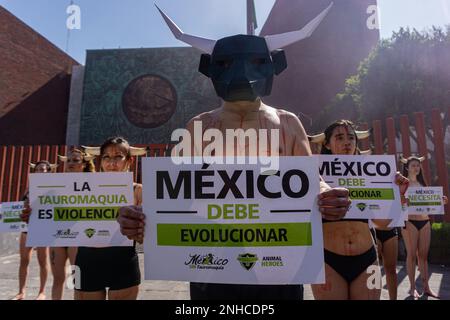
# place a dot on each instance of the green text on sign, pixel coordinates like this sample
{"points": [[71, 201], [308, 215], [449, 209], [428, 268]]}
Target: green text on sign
{"points": [[423, 204], [12, 220], [235, 235], [86, 214], [372, 194]]}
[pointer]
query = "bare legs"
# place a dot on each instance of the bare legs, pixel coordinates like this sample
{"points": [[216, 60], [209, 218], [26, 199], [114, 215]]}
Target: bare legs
{"points": [[123, 294], [25, 257], [337, 288], [42, 255], [417, 245], [389, 252], [422, 254]]}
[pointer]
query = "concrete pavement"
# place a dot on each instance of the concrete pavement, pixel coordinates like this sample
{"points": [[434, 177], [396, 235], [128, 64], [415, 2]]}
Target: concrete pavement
{"points": [[173, 290]]}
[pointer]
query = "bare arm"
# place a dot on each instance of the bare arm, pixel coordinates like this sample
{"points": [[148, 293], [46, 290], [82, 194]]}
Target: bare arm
{"points": [[131, 219], [137, 194], [403, 184], [291, 123], [333, 202]]}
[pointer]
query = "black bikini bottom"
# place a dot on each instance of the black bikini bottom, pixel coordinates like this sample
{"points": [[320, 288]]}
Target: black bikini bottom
{"points": [[385, 235], [115, 268], [419, 224], [350, 267]]}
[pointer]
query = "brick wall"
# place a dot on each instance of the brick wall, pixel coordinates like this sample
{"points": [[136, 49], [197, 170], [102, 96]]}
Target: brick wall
{"points": [[29, 63]]}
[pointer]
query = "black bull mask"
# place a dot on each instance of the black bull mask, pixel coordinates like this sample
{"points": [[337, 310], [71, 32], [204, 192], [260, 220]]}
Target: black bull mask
{"points": [[242, 67]]}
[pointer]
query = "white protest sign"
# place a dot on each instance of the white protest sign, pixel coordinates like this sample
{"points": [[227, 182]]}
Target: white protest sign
{"points": [[401, 219], [425, 200], [10, 217], [78, 209], [228, 223], [370, 180]]}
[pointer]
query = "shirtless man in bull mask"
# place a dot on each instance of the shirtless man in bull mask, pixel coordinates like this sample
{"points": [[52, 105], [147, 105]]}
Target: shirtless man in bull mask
{"points": [[242, 69]]}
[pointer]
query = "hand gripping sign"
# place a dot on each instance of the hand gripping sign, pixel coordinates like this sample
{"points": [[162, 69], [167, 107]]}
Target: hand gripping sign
{"points": [[371, 182], [78, 209], [230, 223], [10, 217], [425, 200]]}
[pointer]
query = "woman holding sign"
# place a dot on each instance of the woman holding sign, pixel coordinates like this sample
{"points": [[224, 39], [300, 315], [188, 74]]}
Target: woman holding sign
{"points": [[417, 232], [75, 161], [115, 268], [350, 256], [25, 252]]}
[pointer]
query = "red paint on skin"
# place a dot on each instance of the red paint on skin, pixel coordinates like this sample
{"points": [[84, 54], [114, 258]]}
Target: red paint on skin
{"points": [[268, 135], [293, 145], [245, 144], [283, 135], [294, 141], [259, 127], [218, 124]]}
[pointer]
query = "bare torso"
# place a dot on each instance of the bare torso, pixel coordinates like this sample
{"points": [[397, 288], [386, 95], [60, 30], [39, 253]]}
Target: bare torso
{"points": [[347, 238], [292, 136]]}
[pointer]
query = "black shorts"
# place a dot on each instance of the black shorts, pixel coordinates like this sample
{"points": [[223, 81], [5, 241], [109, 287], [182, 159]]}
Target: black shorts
{"points": [[213, 291], [115, 268]]}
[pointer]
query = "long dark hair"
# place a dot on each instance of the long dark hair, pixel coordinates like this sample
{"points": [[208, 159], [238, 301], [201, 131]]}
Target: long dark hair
{"points": [[420, 177], [329, 132]]}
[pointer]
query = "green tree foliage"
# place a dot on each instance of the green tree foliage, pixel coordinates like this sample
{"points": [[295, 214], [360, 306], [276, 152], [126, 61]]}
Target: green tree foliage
{"points": [[407, 73]]}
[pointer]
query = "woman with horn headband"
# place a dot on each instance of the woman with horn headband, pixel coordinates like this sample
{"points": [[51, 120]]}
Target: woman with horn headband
{"points": [[349, 246], [75, 161], [115, 268], [26, 252], [417, 231]]}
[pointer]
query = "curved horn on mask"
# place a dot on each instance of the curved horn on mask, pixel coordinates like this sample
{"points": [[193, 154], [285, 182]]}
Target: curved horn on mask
{"points": [[282, 40], [53, 166], [366, 152], [362, 134], [95, 151], [32, 165], [203, 44], [138, 151], [403, 160], [88, 157], [62, 158], [422, 159], [318, 138]]}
